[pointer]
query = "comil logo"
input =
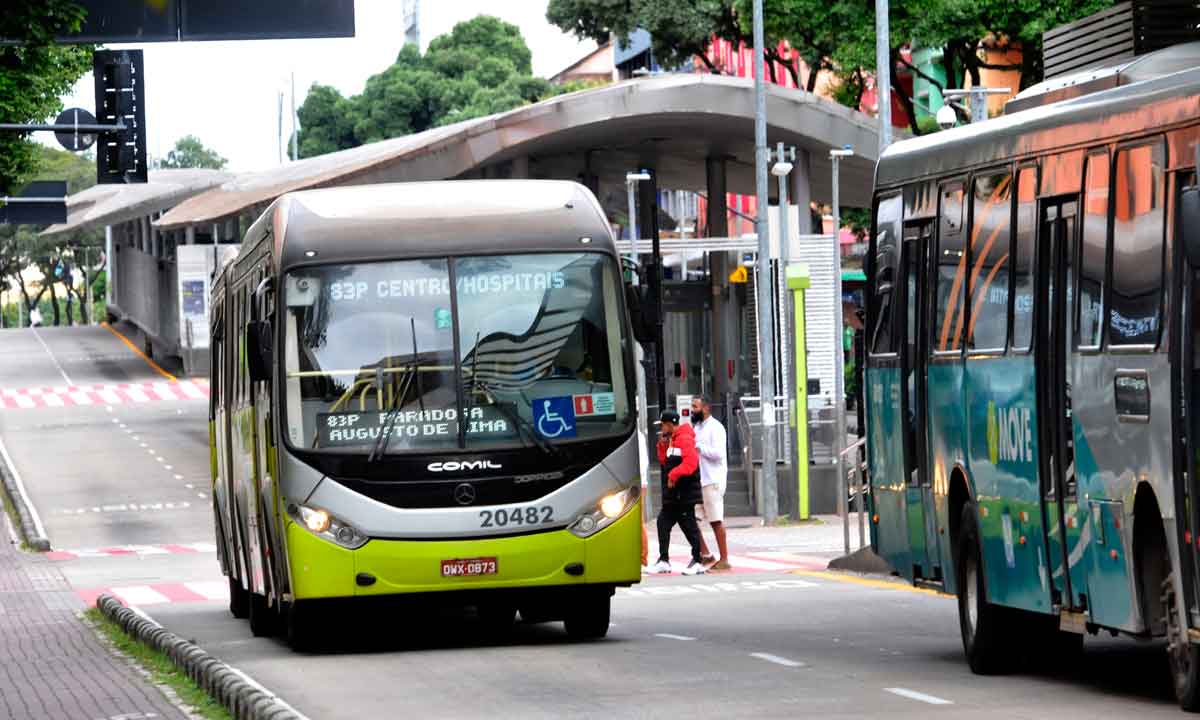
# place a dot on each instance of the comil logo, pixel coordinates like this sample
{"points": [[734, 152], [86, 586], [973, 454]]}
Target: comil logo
{"points": [[1009, 434], [460, 465]]}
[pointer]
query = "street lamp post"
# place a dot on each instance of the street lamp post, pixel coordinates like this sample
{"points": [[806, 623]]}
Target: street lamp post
{"points": [[839, 380], [766, 298], [784, 157]]}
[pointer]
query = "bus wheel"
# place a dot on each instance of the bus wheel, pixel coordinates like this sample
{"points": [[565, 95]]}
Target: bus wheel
{"points": [[1184, 656], [262, 616], [239, 599], [587, 618], [981, 622]]}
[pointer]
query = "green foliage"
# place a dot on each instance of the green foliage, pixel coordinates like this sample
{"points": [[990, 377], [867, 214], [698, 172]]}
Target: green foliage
{"points": [[34, 75], [22, 247], [835, 35], [857, 220], [189, 152], [480, 67]]}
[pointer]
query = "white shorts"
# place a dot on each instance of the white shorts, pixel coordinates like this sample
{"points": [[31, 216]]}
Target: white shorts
{"points": [[713, 509]]}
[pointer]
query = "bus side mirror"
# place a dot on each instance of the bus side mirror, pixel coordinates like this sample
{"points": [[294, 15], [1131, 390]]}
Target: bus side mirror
{"points": [[1189, 222], [259, 355]]}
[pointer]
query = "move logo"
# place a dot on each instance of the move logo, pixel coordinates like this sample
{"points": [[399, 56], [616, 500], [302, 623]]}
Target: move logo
{"points": [[1009, 434]]}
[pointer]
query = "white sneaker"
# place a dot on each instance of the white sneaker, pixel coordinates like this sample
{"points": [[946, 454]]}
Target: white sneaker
{"points": [[694, 569], [662, 567]]}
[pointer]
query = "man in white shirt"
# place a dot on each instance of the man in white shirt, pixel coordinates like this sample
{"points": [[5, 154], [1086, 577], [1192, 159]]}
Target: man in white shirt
{"points": [[714, 473]]}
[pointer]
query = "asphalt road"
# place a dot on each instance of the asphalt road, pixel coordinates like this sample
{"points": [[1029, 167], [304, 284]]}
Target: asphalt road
{"points": [[770, 644]]}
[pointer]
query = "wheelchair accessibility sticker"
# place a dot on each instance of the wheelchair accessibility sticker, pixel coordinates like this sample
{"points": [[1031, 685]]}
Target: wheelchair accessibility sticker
{"points": [[554, 417]]}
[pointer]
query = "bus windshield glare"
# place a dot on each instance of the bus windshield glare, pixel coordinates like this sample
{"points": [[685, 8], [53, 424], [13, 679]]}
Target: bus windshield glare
{"points": [[477, 352]]}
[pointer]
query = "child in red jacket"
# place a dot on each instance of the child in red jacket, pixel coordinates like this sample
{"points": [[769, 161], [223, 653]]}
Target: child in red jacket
{"points": [[680, 491]]}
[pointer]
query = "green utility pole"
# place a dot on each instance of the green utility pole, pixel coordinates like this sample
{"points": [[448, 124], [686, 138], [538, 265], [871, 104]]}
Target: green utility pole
{"points": [[798, 281]]}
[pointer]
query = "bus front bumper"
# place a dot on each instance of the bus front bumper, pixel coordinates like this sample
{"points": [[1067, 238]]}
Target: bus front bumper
{"points": [[320, 569]]}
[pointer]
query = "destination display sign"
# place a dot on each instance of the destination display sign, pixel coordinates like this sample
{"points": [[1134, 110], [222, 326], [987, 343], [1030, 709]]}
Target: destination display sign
{"points": [[410, 428]]}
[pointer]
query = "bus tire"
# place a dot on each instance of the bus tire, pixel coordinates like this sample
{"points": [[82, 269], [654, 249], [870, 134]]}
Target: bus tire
{"points": [[981, 623], [239, 598], [1185, 659], [587, 618], [263, 617]]}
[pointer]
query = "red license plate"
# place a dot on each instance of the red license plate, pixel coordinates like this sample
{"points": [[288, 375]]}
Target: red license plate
{"points": [[469, 567]]}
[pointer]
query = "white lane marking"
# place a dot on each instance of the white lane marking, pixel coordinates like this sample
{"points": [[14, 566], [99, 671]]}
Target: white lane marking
{"points": [[717, 587], [33, 513], [670, 636], [52, 358], [54, 401], [178, 477], [140, 595], [216, 590], [914, 695], [777, 660], [202, 496]]}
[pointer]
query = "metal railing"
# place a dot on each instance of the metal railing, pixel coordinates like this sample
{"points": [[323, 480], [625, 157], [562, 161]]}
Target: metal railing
{"points": [[858, 470]]}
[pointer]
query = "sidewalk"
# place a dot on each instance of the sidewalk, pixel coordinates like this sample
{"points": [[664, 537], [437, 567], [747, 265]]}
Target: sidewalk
{"points": [[813, 543], [51, 664]]}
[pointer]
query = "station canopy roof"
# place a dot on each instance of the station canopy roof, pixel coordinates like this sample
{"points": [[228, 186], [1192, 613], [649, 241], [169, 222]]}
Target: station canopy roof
{"points": [[671, 123], [102, 205]]}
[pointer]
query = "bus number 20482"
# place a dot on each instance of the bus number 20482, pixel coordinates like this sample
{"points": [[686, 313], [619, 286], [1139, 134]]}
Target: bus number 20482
{"points": [[517, 516]]}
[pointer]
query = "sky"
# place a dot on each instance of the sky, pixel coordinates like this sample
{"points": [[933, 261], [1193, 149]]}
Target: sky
{"points": [[226, 93]]}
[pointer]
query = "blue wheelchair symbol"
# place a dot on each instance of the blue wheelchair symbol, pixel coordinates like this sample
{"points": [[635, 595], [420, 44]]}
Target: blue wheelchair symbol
{"points": [[554, 417]]}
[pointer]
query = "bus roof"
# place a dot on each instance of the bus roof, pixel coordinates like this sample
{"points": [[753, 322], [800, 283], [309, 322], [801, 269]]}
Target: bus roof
{"points": [[426, 219], [1125, 110]]}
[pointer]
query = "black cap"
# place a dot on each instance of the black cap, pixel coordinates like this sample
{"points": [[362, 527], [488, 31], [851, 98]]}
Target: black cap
{"points": [[669, 416]]}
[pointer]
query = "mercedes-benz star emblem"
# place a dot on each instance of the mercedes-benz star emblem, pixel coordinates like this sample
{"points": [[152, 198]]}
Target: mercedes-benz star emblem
{"points": [[464, 494]]}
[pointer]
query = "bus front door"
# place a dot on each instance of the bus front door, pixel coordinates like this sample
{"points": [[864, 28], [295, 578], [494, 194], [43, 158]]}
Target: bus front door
{"points": [[1056, 472], [922, 538]]}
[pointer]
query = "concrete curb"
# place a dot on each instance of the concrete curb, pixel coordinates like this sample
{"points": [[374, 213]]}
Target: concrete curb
{"points": [[26, 526], [244, 699], [862, 561]]}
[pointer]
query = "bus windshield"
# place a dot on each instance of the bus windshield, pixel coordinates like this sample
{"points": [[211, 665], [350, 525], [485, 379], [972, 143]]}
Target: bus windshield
{"points": [[474, 352]]}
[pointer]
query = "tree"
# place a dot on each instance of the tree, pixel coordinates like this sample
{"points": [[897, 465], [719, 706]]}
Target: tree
{"points": [[482, 66], [34, 74], [189, 152], [22, 247]]}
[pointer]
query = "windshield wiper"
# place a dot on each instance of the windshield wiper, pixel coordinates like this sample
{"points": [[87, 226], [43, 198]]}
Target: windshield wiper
{"points": [[514, 416], [385, 433]]}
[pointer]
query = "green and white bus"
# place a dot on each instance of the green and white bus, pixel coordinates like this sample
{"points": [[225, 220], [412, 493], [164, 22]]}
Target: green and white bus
{"points": [[1031, 387], [426, 389]]}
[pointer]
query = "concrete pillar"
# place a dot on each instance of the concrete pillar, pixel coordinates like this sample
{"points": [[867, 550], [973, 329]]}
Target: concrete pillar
{"points": [[110, 260], [520, 168], [801, 190], [723, 347], [190, 235]]}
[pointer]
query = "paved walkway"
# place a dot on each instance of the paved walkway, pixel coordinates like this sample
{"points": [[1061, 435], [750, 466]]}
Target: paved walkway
{"points": [[51, 664]]}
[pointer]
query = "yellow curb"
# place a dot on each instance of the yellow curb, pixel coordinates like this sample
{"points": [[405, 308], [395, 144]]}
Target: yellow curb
{"points": [[139, 353], [868, 582]]}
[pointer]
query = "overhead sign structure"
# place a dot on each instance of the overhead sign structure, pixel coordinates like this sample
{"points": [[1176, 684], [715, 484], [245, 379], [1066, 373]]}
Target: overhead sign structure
{"points": [[42, 202], [120, 102], [141, 21]]}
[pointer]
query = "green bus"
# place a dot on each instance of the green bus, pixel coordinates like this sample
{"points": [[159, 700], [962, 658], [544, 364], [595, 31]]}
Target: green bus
{"points": [[1031, 368], [425, 391]]}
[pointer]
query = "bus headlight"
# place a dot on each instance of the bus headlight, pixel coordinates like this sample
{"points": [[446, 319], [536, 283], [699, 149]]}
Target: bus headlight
{"points": [[608, 509], [326, 526]]}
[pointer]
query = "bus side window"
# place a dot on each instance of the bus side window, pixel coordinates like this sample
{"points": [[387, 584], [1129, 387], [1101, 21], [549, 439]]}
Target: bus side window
{"points": [[1023, 265], [1138, 226], [991, 216], [214, 369], [887, 256], [950, 262], [1093, 249]]}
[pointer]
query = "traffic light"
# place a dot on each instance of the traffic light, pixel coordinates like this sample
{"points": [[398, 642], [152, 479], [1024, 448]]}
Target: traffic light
{"points": [[120, 100]]}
